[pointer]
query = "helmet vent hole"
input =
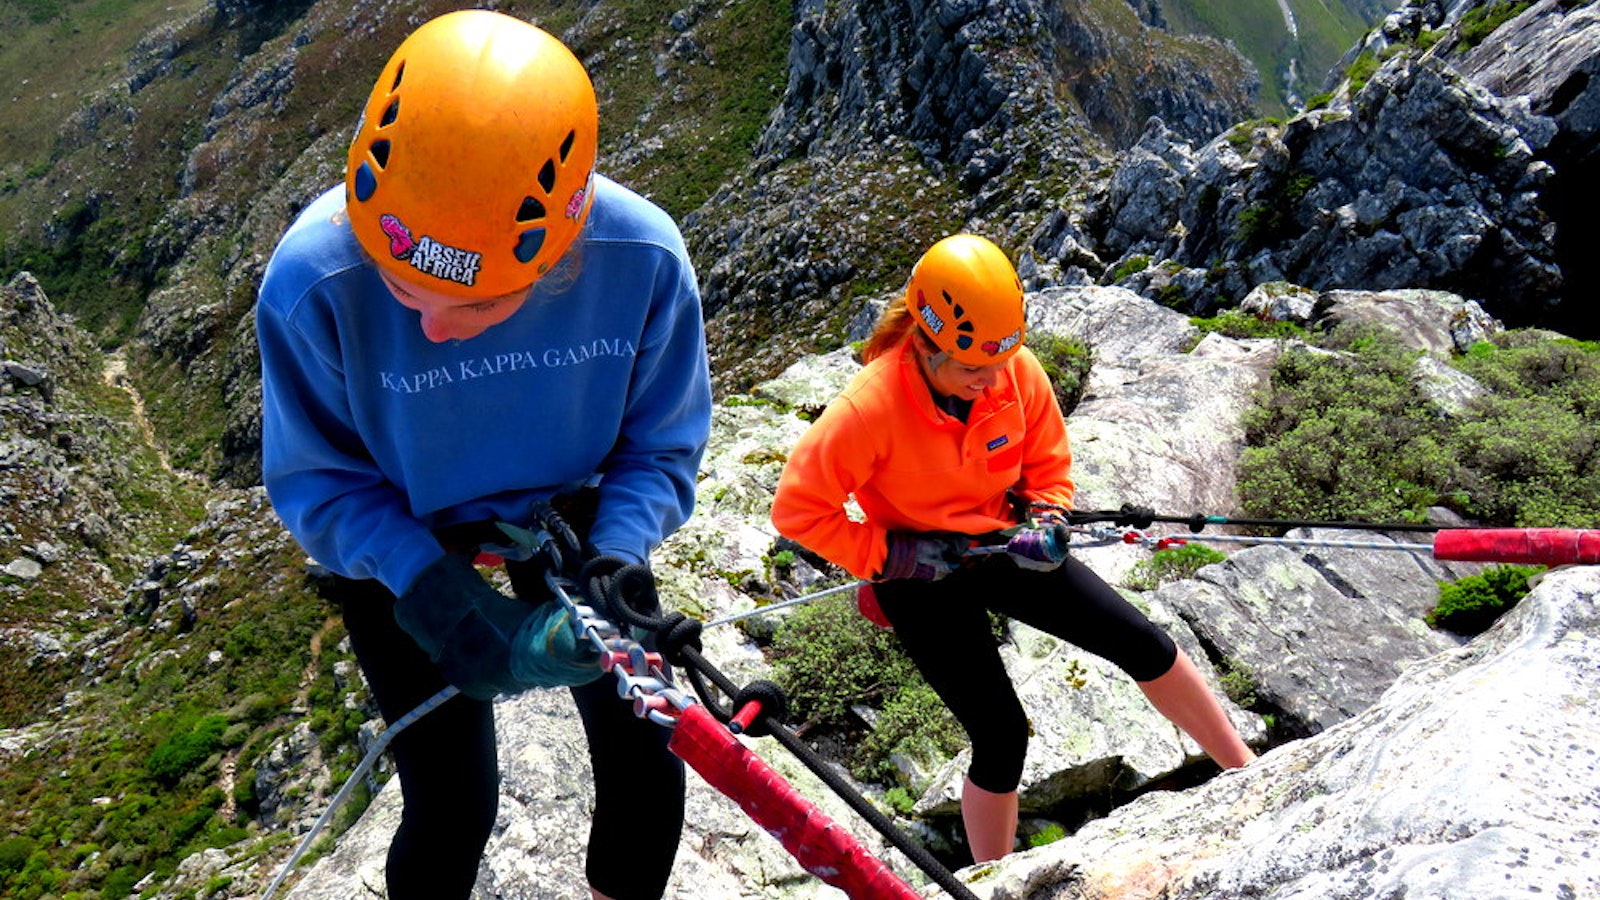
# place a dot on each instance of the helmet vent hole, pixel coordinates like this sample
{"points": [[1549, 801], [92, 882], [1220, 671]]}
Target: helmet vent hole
{"points": [[964, 342], [531, 211], [528, 244], [399, 73], [390, 113], [366, 182], [380, 153], [566, 146], [547, 176], [965, 326]]}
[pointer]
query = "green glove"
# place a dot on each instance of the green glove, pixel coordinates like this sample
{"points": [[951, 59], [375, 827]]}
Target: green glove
{"points": [[464, 625], [548, 652]]}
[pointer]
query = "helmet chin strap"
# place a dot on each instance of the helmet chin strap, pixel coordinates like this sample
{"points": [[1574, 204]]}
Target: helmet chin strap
{"points": [[930, 353]]}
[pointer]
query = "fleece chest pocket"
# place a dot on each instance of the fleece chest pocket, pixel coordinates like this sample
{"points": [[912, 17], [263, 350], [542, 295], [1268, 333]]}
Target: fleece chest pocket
{"points": [[1002, 453]]}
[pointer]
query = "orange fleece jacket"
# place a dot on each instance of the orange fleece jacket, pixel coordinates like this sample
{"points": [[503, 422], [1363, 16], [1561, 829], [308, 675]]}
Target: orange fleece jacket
{"points": [[912, 467]]}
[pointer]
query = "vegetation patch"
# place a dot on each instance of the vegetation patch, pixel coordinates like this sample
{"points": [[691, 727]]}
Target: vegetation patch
{"points": [[1171, 564], [1067, 362], [829, 659], [1481, 21], [1349, 435], [1470, 605], [1235, 323]]}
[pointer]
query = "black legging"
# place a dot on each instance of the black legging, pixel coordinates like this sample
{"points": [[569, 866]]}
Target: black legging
{"points": [[449, 770], [944, 627]]}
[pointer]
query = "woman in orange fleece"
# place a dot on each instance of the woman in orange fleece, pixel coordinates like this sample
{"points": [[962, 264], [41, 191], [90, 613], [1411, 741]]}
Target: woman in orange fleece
{"points": [[951, 427]]}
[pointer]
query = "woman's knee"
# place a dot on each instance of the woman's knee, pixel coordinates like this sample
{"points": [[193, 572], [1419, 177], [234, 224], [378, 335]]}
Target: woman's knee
{"points": [[999, 748]]}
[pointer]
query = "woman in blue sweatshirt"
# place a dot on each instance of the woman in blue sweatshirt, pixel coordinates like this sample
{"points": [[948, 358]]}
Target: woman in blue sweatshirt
{"points": [[473, 325]]}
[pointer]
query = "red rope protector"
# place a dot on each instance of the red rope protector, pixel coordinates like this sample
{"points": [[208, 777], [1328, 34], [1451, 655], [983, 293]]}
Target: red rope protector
{"points": [[1542, 546], [819, 844]]}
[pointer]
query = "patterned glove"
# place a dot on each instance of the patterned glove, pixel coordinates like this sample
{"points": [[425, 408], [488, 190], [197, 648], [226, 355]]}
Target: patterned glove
{"points": [[923, 556], [1039, 549]]}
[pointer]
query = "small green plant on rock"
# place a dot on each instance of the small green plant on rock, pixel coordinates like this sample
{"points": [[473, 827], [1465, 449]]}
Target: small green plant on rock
{"points": [[1067, 361], [1171, 564], [1472, 604]]}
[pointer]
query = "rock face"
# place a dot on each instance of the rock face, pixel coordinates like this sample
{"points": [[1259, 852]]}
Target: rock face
{"points": [[1425, 180], [927, 116], [1462, 168], [1475, 775]]}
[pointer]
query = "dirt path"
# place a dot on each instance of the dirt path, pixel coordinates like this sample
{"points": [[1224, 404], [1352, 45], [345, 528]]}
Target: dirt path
{"points": [[115, 374]]}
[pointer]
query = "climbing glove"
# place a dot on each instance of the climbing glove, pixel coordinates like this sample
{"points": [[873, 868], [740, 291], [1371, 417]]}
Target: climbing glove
{"points": [[484, 642], [548, 652], [1040, 549], [923, 556]]}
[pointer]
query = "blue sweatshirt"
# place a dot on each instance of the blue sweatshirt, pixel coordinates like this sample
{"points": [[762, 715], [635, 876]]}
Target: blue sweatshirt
{"points": [[372, 435]]}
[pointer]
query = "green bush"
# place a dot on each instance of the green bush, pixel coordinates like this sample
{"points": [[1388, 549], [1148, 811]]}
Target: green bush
{"points": [[915, 723], [1530, 451], [1129, 267], [1049, 834], [1479, 23], [1238, 683], [1361, 69], [14, 853], [1345, 435], [1238, 324], [1349, 435], [185, 751], [1067, 362], [1469, 606], [1171, 564], [828, 658]]}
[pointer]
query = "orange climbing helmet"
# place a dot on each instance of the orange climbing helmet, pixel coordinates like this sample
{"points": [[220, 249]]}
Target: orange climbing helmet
{"points": [[472, 170], [967, 298]]}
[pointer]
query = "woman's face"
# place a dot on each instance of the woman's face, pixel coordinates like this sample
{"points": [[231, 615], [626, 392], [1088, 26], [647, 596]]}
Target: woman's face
{"points": [[449, 318], [954, 379]]}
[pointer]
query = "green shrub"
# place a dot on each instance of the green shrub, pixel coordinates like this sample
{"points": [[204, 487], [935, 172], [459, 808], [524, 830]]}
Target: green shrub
{"points": [[1349, 435], [1049, 834], [1238, 683], [1470, 605], [1479, 23], [1133, 265], [14, 853], [1531, 450], [915, 723], [1361, 69], [1239, 324], [1270, 222], [1067, 362], [1345, 436], [1171, 564], [900, 800], [185, 751], [828, 658]]}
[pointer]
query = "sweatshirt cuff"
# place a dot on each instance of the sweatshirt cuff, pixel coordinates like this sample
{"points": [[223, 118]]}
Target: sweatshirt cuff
{"points": [[399, 570]]}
